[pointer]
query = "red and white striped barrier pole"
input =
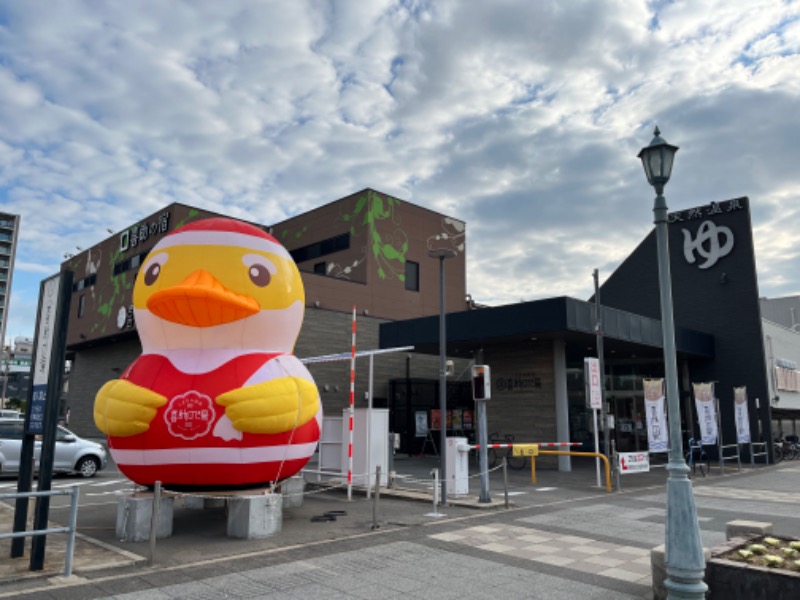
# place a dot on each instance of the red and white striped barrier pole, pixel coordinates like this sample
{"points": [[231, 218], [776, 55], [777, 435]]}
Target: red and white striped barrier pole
{"points": [[511, 445], [352, 410], [559, 444]]}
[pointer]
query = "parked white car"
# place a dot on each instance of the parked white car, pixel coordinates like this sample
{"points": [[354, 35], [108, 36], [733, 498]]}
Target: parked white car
{"points": [[72, 453], [7, 413]]}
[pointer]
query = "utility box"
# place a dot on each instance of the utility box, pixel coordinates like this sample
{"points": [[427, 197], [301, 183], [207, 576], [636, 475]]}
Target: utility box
{"points": [[457, 463], [370, 445]]}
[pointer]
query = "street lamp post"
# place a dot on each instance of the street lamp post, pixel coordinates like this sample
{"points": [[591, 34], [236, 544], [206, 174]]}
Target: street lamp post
{"points": [[685, 563], [442, 254]]}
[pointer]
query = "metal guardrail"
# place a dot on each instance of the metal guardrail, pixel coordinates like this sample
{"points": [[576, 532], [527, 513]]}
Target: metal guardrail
{"points": [[70, 530], [602, 457], [730, 457], [753, 454]]}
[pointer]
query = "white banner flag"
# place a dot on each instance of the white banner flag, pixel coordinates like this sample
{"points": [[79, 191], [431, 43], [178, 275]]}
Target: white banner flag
{"points": [[742, 416], [706, 412], [657, 432]]}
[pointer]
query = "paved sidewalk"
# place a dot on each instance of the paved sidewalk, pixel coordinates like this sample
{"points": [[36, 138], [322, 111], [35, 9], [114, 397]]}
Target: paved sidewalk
{"points": [[562, 538]]}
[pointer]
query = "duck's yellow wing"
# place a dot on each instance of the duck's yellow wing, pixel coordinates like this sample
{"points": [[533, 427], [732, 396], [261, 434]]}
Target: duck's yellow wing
{"points": [[273, 406], [123, 409]]}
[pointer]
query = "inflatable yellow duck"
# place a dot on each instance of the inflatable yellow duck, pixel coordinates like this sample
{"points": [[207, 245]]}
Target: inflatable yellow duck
{"points": [[216, 400]]}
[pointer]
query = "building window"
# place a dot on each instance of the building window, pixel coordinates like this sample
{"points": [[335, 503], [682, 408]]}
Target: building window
{"points": [[134, 262], [81, 303], [318, 249], [84, 283], [320, 268], [412, 276]]}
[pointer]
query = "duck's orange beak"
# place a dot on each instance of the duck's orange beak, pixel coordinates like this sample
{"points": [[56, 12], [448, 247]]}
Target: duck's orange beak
{"points": [[201, 301]]}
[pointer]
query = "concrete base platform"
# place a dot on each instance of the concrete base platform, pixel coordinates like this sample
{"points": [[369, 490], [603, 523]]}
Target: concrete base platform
{"points": [[292, 490], [135, 514], [253, 517]]}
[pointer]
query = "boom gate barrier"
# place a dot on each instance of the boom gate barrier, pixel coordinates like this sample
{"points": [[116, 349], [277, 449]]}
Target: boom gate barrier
{"points": [[534, 450]]}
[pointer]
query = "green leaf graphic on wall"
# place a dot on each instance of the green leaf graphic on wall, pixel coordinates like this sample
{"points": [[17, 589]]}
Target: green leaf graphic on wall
{"points": [[374, 217]]}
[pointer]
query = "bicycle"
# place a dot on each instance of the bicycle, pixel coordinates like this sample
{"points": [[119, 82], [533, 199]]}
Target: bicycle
{"points": [[495, 455], [778, 450], [696, 456], [786, 449]]}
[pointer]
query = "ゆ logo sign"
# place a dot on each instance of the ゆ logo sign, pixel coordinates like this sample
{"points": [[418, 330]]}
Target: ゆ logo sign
{"points": [[711, 243]]}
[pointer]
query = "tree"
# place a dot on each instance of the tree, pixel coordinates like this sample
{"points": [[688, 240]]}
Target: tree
{"points": [[16, 403]]}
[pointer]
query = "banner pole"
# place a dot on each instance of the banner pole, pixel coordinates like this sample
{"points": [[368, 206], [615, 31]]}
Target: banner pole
{"points": [[351, 410], [596, 446], [719, 431]]}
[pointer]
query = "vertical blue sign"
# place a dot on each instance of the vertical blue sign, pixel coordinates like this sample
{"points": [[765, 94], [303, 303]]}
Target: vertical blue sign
{"points": [[44, 347], [36, 415]]}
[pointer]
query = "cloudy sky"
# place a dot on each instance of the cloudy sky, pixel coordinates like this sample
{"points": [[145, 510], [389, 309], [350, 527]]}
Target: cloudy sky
{"points": [[522, 118]]}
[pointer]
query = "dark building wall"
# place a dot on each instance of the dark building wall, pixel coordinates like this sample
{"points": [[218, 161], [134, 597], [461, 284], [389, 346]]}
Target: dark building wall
{"points": [[720, 299], [91, 368], [523, 393]]}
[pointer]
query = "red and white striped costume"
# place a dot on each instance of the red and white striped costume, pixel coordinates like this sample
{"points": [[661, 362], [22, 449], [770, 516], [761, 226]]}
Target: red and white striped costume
{"points": [[207, 448]]}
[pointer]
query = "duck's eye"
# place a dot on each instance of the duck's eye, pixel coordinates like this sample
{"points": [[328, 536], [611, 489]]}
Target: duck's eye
{"points": [[153, 271], [259, 275]]}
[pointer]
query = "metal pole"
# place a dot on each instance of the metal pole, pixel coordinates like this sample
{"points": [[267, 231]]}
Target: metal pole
{"points": [[377, 498], [26, 465], [435, 473], [505, 479], [73, 528], [53, 392], [369, 429], [442, 384], [685, 563], [154, 523], [351, 411], [483, 460], [599, 331], [596, 460]]}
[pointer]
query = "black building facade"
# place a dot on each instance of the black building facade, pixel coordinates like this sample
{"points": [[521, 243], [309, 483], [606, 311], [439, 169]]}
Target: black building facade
{"points": [[715, 290], [719, 339]]}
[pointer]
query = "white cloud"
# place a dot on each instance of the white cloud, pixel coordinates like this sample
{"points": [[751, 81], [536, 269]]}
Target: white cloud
{"points": [[501, 113]]}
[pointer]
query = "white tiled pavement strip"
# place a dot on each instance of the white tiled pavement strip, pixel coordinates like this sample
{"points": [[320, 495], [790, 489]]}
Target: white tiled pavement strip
{"points": [[590, 555], [626, 563], [742, 494]]}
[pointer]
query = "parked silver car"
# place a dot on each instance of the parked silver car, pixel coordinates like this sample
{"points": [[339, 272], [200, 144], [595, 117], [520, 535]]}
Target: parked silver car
{"points": [[72, 453]]}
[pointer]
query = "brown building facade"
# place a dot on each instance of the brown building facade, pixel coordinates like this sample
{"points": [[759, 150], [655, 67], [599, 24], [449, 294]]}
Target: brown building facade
{"points": [[367, 251]]}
